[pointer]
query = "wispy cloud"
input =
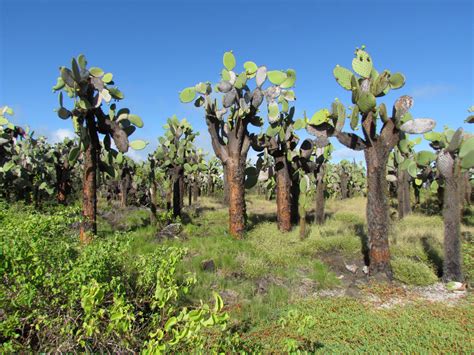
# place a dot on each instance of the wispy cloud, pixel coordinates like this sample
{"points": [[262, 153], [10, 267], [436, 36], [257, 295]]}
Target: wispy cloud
{"points": [[348, 154], [60, 134], [429, 91]]}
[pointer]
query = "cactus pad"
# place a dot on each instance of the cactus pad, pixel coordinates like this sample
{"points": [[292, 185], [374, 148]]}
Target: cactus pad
{"points": [[396, 80], [343, 77], [362, 63], [366, 102], [290, 79], [418, 126], [455, 141]]}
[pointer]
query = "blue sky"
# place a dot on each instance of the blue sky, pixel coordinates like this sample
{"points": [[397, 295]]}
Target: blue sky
{"points": [[156, 48]]}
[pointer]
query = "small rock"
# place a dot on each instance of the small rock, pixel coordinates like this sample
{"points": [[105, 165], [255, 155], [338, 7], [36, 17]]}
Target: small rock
{"points": [[340, 277], [352, 268], [455, 286], [208, 265], [230, 297], [172, 230], [365, 269]]}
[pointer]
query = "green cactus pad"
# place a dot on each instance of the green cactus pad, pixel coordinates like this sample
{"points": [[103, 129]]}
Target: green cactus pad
{"points": [[276, 77], [383, 112], [241, 80], [362, 63], [425, 157], [273, 112], [97, 72], [229, 60], [397, 80], [290, 79], [138, 144], [343, 77], [320, 117], [354, 117], [250, 69], [187, 95], [467, 162], [366, 102], [380, 85], [466, 147]]}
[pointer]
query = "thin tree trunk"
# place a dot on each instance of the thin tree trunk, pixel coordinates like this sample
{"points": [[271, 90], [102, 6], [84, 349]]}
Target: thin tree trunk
{"points": [[177, 196], [452, 236], [320, 201], [403, 193], [377, 211], [295, 195], [235, 180], [182, 191], [62, 184], [190, 195], [89, 185], [283, 192], [153, 218]]}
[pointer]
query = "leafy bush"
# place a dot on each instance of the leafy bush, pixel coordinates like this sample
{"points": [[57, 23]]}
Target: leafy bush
{"points": [[412, 272], [468, 260], [59, 296]]}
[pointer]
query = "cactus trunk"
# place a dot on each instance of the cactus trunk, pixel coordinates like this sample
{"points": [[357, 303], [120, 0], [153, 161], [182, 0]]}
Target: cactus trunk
{"points": [[178, 190], [235, 167], [226, 187], [283, 191], [62, 175], [466, 189], [344, 185], [295, 195], [452, 233], [377, 211], [89, 185], [153, 219], [403, 193], [195, 189], [320, 202]]}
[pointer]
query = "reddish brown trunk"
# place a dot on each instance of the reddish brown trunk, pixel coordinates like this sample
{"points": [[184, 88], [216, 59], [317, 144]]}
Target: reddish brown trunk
{"points": [[283, 196], [226, 187], [235, 179], [320, 202], [89, 186], [377, 211], [403, 194], [452, 235]]}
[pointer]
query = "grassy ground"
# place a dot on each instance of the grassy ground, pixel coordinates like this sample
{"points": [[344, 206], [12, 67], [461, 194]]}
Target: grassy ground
{"points": [[273, 284]]}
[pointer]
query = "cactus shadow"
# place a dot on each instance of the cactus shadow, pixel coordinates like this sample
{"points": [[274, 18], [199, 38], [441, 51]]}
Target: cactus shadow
{"points": [[255, 219], [432, 254], [361, 232]]}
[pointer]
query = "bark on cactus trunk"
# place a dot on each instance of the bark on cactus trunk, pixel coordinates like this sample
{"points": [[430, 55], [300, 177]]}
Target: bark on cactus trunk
{"points": [[344, 185], [178, 190], [62, 176], [195, 190], [226, 187], [153, 209], [89, 185], [235, 179], [403, 193], [377, 211], [320, 201], [124, 186], [283, 193], [452, 234]]}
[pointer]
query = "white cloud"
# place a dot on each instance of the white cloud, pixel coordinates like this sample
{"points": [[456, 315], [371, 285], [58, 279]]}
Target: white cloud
{"points": [[431, 90], [348, 154], [136, 155], [60, 134]]}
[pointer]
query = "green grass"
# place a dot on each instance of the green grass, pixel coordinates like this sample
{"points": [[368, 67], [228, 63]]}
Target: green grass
{"points": [[291, 270]]}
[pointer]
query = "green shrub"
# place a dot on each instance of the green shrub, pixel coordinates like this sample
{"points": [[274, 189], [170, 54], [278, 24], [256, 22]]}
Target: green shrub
{"points": [[56, 294], [412, 272], [468, 260]]}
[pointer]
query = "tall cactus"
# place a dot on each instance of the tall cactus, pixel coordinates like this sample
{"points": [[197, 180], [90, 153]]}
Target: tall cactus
{"points": [[454, 156], [366, 84], [173, 153], [228, 123], [280, 142], [89, 89]]}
